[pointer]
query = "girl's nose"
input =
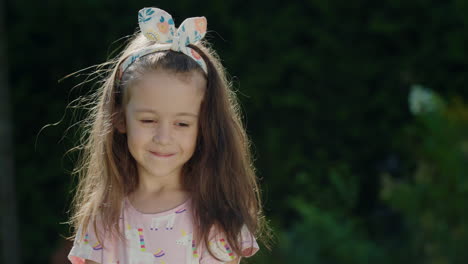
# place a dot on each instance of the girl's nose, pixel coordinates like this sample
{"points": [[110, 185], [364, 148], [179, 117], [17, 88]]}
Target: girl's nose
{"points": [[162, 134]]}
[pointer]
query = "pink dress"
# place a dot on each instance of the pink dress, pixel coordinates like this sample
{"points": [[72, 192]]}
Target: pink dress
{"points": [[161, 238]]}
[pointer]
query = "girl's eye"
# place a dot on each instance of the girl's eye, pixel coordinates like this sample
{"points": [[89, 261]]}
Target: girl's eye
{"points": [[147, 121], [183, 124]]}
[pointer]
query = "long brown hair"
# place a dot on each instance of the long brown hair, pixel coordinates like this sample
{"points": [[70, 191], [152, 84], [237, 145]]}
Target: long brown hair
{"points": [[220, 175]]}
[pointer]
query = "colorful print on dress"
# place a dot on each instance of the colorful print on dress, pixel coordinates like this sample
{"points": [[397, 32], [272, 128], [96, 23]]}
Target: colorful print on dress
{"points": [[159, 253], [170, 219], [184, 240], [142, 239], [136, 247], [228, 249], [221, 250], [180, 211], [97, 246], [81, 247], [194, 249]]}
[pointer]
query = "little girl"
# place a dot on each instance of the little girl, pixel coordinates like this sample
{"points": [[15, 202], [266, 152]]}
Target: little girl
{"points": [[166, 173]]}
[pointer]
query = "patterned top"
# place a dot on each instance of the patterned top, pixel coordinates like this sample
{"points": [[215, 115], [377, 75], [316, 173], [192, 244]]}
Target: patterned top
{"points": [[161, 238]]}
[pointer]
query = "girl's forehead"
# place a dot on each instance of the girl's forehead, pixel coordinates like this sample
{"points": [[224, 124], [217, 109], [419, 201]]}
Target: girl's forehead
{"points": [[165, 92]]}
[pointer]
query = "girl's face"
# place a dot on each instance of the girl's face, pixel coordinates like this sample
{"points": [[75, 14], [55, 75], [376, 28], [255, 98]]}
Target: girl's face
{"points": [[162, 121]]}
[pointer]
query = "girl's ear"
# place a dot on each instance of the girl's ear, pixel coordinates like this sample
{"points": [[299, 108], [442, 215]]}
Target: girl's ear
{"points": [[119, 122]]}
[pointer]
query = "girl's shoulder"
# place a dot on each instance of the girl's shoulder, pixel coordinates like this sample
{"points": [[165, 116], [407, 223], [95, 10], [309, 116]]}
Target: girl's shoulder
{"points": [[222, 250]]}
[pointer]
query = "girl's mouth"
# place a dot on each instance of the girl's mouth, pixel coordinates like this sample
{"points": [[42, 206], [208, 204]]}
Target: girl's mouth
{"points": [[161, 155]]}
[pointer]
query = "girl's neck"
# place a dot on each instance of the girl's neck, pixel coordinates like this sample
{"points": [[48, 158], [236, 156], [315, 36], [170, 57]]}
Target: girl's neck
{"points": [[155, 185], [156, 193], [159, 201]]}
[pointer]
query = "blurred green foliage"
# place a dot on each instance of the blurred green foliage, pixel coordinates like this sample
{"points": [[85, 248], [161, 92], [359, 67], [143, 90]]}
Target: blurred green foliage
{"points": [[348, 174], [432, 200], [321, 237]]}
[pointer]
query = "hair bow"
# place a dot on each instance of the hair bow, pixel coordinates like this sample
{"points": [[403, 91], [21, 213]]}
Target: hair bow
{"points": [[157, 25]]}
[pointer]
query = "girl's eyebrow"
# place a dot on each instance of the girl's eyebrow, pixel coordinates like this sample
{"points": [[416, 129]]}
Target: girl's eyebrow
{"points": [[144, 110]]}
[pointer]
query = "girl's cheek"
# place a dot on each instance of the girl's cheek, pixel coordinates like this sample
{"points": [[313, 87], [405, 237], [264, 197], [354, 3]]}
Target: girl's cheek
{"points": [[144, 132], [135, 130]]}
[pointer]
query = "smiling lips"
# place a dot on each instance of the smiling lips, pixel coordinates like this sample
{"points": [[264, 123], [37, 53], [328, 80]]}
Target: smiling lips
{"points": [[162, 155]]}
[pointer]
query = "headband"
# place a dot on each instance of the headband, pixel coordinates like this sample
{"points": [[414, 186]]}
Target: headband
{"points": [[157, 25]]}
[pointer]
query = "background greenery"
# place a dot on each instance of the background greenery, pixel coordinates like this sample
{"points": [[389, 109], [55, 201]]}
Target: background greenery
{"points": [[349, 174]]}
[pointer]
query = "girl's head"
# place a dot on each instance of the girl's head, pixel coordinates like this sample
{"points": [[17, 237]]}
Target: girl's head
{"points": [[168, 103], [158, 113]]}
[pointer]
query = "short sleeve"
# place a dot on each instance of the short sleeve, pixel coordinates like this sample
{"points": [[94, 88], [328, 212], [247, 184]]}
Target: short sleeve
{"points": [[86, 247], [221, 249]]}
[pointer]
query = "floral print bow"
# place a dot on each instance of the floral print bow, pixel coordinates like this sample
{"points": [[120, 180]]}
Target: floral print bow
{"points": [[157, 25]]}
